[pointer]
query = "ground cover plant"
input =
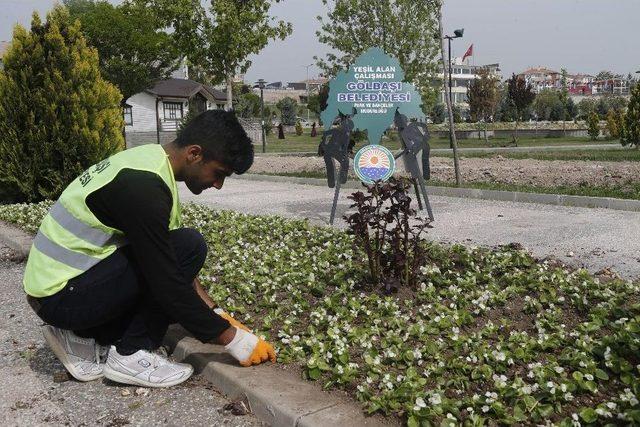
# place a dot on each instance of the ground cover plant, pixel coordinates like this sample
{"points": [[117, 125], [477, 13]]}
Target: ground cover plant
{"points": [[483, 337]]}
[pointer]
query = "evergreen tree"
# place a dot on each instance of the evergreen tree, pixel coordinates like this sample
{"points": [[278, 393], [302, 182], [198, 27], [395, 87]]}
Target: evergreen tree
{"points": [[438, 113], [572, 109], [593, 126], [561, 111], [58, 115], [287, 107], [631, 128], [613, 128]]}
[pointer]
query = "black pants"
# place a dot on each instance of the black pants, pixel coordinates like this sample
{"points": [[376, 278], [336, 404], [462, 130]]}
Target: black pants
{"points": [[112, 303]]}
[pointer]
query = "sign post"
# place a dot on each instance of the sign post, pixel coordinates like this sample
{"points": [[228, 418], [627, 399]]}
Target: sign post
{"points": [[370, 95]]}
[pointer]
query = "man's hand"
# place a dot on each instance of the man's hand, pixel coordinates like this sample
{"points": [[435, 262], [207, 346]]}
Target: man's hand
{"points": [[220, 312], [249, 350]]}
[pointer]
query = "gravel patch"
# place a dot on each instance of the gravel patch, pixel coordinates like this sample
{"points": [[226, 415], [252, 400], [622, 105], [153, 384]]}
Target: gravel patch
{"points": [[35, 389]]}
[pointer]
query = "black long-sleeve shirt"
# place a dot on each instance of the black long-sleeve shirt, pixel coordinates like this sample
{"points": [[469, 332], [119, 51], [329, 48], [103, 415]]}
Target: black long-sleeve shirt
{"points": [[139, 204]]}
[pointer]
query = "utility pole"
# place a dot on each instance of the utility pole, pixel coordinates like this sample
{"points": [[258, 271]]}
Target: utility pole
{"points": [[307, 86]]}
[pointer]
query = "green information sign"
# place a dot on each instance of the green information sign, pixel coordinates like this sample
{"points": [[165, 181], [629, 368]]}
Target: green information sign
{"points": [[371, 90]]}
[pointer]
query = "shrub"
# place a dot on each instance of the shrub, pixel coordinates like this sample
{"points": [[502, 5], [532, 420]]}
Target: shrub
{"points": [[382, 230], [58, 116], [298, 128]]}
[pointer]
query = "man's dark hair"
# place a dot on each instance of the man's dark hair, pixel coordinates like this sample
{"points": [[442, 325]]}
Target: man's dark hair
{"points": [[221, 137]]}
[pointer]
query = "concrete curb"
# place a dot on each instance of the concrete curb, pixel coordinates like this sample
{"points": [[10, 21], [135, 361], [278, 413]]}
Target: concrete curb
{"points": [[479, 150], [16, 239], [275, 396], [473, 193]]}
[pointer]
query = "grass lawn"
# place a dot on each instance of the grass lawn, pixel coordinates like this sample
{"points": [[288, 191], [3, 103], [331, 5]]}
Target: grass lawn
{"points": [[304, 143], [604, 155], [629, 191], [486, 337]]}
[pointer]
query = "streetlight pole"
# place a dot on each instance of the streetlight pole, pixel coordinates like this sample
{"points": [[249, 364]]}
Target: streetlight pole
{"points": [[457, 34], [307, 86], [261, 84]]}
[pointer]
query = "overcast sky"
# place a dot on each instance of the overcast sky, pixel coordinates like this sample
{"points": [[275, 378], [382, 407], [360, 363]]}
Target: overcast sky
{"points": [[581, 35]]}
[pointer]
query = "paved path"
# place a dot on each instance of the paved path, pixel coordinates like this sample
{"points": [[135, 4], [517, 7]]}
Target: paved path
{"points": [[29, 396], [593, 238]]}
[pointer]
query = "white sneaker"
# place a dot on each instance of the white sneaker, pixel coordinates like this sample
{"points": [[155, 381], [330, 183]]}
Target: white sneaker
{"points": [[145, 369], [82, 357]]}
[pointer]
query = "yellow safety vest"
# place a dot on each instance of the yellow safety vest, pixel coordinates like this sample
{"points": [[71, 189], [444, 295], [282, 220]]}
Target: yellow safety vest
{"points": [[71, 239]]}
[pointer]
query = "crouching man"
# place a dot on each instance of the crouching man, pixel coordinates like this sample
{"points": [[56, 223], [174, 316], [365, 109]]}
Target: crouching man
{"points": [[111, 268]]}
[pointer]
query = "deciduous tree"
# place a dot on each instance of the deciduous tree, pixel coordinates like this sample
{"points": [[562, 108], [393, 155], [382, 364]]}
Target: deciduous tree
{"points": [[219, 39], [521, 96], [133, 48], [483, 97], [403, 28]]}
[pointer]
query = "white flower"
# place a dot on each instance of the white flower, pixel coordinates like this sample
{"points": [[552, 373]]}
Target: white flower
{"points": [[420, 403], [435, 399], [485, 408]]}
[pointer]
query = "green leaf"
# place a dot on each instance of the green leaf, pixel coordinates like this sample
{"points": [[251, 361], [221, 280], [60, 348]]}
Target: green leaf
{"points": [[545, 410], [627, 378], [530, 402], [588, 415], [591, 386], [602, 374], [519, 413], [412, 422], [577, 375], [314, 373], [323, 365]]}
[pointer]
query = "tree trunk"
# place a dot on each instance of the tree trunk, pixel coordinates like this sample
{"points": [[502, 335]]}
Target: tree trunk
{"points": [[452, 130], [486, 138], [229, 93], [515, 133]]}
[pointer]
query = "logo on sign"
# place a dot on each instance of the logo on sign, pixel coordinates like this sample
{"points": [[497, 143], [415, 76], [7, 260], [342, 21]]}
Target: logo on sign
{"points": [[373, 163]]}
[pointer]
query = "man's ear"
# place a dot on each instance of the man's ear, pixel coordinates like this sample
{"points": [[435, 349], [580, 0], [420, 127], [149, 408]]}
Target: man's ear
{"points": [[194, 153]]}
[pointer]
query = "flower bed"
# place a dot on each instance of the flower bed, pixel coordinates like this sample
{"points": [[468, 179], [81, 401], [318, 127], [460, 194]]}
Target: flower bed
{"points": [[488, 336]]}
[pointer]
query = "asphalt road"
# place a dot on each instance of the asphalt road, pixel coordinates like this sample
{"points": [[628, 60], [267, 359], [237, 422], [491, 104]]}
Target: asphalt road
{"points": [[581, 237], [30, 395]]}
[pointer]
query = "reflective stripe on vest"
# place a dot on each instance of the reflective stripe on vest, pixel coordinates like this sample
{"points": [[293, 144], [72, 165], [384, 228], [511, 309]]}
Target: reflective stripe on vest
{"points": [[78, 228], [63, 255]]}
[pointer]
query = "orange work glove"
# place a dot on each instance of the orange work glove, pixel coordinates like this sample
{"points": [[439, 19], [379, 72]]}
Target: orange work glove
{"points": [[249, 350], [220, 312]]}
